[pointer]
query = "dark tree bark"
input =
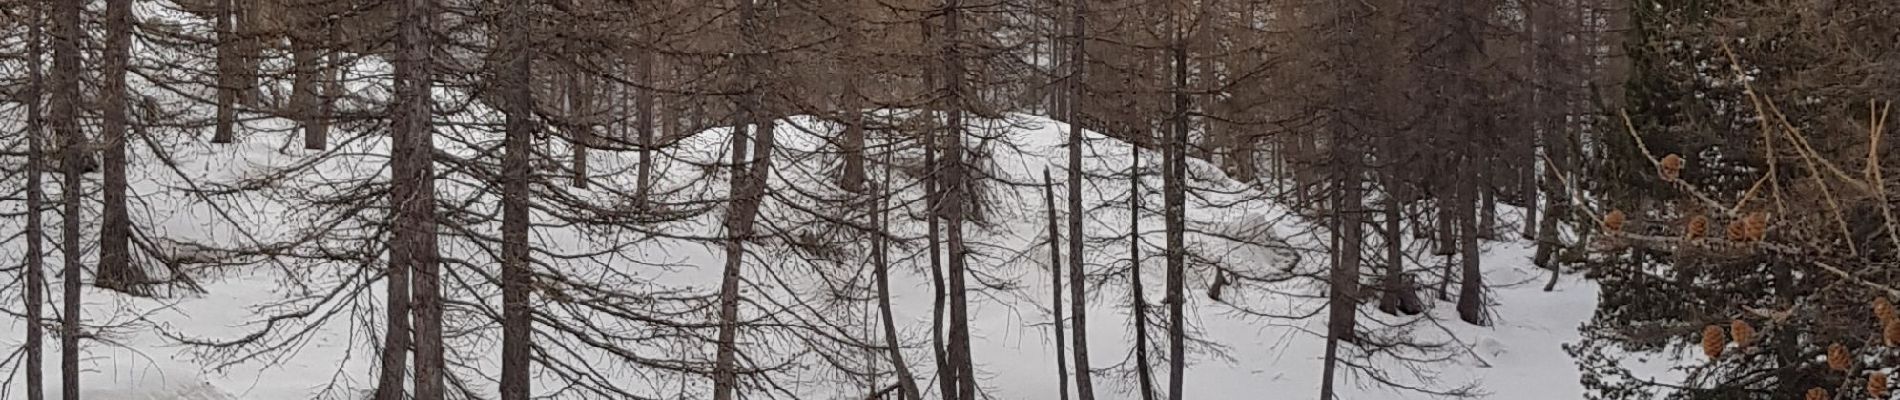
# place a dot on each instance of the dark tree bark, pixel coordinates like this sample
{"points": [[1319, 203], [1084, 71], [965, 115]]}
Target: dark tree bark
{"points": [[1343, 280], [1174, 196], [644, 101], [852, 148], [933, 202], [946, 376], [1471, 287], [517, 275], [1138, 300], [307, 85], [35, 193], [1488, 197], [115, 269], [579, 120], [414, 257], [65, 118], [1392, 287], [330, 76], [227, 71], [892, 344], [748, 190], [1078, 287], [955, 200], [1055, 282]]}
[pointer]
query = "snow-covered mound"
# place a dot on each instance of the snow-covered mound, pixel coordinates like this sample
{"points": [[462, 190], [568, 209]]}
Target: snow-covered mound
{"points": [[331, 352]]}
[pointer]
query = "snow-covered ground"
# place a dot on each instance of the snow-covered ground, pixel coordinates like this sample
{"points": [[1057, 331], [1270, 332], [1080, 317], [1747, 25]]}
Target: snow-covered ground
{"points": [[140, 356]]}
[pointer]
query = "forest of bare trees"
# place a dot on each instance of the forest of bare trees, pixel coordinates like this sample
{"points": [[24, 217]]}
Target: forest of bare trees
{"points": [[743, 199]]}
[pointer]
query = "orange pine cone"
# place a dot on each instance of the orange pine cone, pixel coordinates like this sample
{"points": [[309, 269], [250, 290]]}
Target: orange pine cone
{"points": [[1743, 334], [1755, 226], [1893, 333], [1713, 341], [1883, 309], [1817, 394], [1877, 385], [1613, 222], [1837, 357], [1737, 231], [1671, 168], [1698, 225]]}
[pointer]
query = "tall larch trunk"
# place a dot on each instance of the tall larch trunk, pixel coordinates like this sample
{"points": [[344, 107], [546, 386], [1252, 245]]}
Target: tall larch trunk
{"points": [[893, 344], [414, 164], [517, 274], [1174, 197], [1055, 283], [1471, 286], [330, 86], [644, 101], [65, 118], [35, 284], [306, 86], [1078, 286], [956, 200], [115, 227], [580, 121], [852, 147], [748, 190], [227, 83], [933, 203]]}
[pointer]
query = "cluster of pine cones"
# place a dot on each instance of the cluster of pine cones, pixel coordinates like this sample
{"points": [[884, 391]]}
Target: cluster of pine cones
{"points": [[1715, 340]]}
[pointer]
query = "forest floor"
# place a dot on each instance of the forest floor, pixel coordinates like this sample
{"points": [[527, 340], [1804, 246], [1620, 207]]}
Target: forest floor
{"points": [[139, 357]]}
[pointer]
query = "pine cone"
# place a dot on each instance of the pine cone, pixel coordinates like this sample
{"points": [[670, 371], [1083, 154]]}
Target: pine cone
{"points": [[1671, 168], [1837, 357], [1743, 334], [1613, 222], [1817, 394], [1713, 341], [1756, 226], [1698, 225], [1737, 231], [1893, 333], [1877, 385], [1883, 309]]}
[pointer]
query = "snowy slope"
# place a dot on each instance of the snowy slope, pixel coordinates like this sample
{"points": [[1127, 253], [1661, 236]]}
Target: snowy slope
{"points": [[1012, 342]]}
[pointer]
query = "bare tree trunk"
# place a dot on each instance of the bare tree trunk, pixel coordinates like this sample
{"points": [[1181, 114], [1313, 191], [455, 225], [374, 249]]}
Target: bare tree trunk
{"points": [[748, 190], [1055, 282], [644, 101], [65, 116], [1174, 195], [1078, 287], [115, 269], [227, 65], [305, 87], [1488, 198], [517, 274], [317, 137], [413, 249], [946, 375], [35, 193], [1343, 283], [249, 44], [579, 119], [892, 344], [956, 201], [852, 178], [933, 201], [1392, 285], [1137, 299], [1471, 288]]}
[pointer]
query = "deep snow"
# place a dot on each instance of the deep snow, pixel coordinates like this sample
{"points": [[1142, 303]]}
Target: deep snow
{"points": [[1012, 343]]}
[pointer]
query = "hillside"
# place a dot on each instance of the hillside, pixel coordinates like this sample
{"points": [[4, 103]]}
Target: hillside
{"points": [[142, 357]]}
